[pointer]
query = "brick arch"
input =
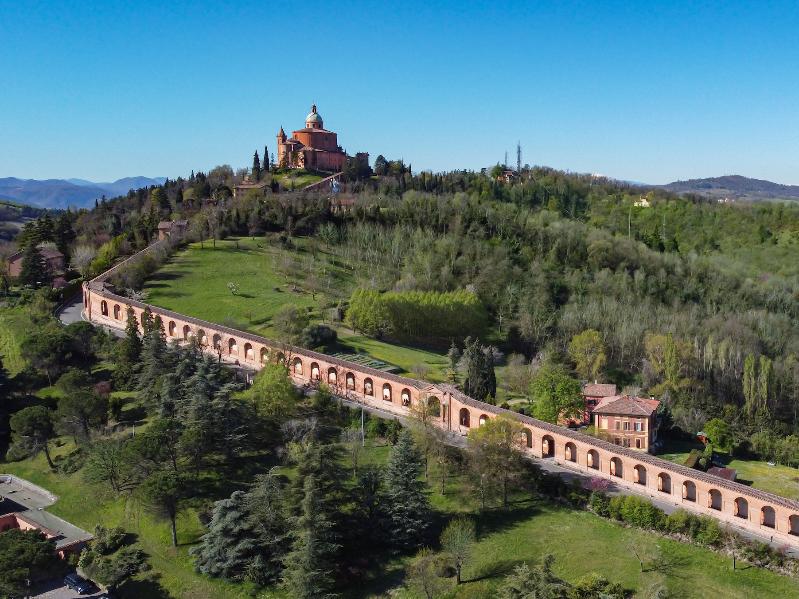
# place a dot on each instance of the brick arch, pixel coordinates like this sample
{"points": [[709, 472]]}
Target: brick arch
{"points": [[592, 459], [232, 347], [315, 373], [171, 328], [349, 380], [528, 438], [741, 508], [714, 499], [482, 419], [216, 341], [332, 376], [387, 392], [570, 452], [280, 358], [186, 332], [689, 490], [104, 308], [368, 387], [405, 396], [117, 312], [296, 366], [793, 524], [768, 517], [547, 446], [664, 483], [434, 406], [464, 417], [639, 474], [616, 467], [202, 338], [249, 354], [264, 355]]}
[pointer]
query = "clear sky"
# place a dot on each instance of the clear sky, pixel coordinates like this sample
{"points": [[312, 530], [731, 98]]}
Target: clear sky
{"points": [[645, 91]]}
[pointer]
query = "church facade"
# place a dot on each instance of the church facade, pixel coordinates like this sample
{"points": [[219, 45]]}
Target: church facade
{"points": [[313, 147]]}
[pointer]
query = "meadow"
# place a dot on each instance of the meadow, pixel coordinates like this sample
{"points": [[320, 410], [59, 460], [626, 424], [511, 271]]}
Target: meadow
{"points": [[196, 282]]}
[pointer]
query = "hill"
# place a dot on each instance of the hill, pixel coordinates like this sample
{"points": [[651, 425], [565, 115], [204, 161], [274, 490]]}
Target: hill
{"points": [[63, 193], [737, 187]]}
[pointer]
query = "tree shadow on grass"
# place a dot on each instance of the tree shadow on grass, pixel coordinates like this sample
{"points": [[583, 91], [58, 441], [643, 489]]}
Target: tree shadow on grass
{"points": [[671, 566], [149, 587]]}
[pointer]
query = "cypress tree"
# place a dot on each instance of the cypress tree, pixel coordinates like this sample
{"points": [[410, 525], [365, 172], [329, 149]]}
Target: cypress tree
{"points": [[132, 346], [266, 165], [34, 269], [256, 167], [480, 381], [406, 501]]}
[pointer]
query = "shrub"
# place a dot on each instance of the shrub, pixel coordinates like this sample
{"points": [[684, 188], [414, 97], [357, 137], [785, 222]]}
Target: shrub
{"points": [[640, 512], [599, 504], [710, 532], [318, 335], [684, 522]]}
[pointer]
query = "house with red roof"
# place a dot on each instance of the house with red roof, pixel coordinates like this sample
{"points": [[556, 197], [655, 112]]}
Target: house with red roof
{"points": [[627, 420]]}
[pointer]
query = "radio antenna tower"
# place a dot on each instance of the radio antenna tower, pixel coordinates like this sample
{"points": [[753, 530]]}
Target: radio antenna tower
{"points": [[518, 158]]}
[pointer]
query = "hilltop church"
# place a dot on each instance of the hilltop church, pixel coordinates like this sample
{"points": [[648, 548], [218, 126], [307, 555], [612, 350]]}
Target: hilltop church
{"points": [[313, 147]]}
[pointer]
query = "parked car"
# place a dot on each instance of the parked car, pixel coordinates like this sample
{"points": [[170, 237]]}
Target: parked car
{"points": [[77, 583]]}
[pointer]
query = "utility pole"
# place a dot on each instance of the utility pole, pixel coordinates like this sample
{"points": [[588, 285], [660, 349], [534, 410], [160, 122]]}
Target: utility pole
{"points": [[518, 157], [506, 160], [630, 222]]}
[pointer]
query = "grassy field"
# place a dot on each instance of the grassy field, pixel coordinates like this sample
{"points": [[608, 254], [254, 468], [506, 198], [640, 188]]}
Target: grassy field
{"points": [[195, 282], [782, 480], [297, 179], [580, 541]]}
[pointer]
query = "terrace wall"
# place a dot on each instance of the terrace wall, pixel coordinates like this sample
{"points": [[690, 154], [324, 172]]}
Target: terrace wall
{"points": [[744, 507]]}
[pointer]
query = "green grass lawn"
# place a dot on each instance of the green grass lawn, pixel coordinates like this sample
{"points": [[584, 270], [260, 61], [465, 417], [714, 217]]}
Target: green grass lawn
{"points": [[782, 480], [297, 179], [195, 282], [580, 541], [14, 326]]}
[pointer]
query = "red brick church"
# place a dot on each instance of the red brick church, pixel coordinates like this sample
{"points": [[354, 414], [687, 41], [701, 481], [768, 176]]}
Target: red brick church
{"points": [[313, 147]]}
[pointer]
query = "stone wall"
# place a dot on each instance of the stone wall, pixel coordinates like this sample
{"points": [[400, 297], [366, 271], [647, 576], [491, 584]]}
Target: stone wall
{"points": [[766, 514]]}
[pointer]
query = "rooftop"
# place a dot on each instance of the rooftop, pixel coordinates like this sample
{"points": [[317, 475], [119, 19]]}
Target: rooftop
{"points": [[627, 405], [600, 389]]}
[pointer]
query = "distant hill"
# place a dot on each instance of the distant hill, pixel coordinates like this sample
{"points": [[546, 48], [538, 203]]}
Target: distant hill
{"points": [[64, 193], [737, 187]]}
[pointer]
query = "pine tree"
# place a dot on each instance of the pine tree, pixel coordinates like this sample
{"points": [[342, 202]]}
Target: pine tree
{"points": [[266, 510], [407, 504], [34, 268], [132, 346], [256, 167]]}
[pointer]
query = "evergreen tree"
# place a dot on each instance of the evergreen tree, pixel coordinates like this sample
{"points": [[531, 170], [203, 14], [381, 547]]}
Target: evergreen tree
{"points": [[406, 502], [480, 381], [45, 228], [311, 563], [132, 346], [146, 322], [5, 384], [266, 511], [63, 234], [34, 269], [256, 167], [230, 544], [266, 165]]}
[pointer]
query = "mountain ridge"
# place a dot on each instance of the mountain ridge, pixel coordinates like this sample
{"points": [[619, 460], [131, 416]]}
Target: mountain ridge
{"points": [[68, 193], [735, 187]]}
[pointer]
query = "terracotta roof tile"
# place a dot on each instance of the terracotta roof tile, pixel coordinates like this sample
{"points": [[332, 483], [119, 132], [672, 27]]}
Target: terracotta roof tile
{"points": [[626, 404], [599, 389]]}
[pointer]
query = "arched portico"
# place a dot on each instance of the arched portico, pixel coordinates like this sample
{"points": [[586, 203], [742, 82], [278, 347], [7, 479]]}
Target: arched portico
{"points": [[350, 379], [482, 419], [297, 366], [741, 506], [405, 396], [232, 347], [464, 417], [664, 483], [332, 376], [689, 491], [368, 387], [315, 375], [793, 525], [547, 446], [216, 341], [570, 452], [768, 517], [387, 392], [592, 459], [714, 499], [104, 308], [264, 355], [639, 474], [202, 338], [172, 328], [528, 438], [434, 406], [186, 332], [249, 354], [117, 312], [616, 467]]}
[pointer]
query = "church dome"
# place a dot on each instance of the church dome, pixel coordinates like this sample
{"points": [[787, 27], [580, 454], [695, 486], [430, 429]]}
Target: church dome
{"points": [[313, 117]]}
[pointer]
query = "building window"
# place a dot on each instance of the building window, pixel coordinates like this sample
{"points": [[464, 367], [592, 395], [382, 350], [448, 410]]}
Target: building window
{"points": [[626, 426], [639, 426], [618, 425], [626, 442], [617, 441], [638, 443]]}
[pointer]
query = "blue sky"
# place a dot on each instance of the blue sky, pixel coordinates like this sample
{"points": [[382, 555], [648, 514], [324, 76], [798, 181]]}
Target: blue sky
{"points": [[646, 91]]}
